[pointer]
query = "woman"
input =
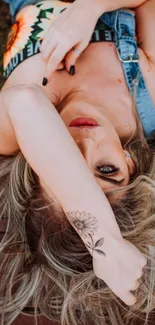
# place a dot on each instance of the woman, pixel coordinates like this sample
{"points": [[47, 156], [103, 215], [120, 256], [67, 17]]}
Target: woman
{"points": [[73, 290]]}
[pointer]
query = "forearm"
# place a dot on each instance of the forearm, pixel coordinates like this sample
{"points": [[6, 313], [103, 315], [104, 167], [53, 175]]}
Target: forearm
{"points": [[53, 155], [103, 6]]}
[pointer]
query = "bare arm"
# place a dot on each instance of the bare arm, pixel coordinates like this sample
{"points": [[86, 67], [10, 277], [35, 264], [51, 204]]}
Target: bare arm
{"points": [[145, 17], [8, 141], [102, 6], [30, 122], [51, 152]]}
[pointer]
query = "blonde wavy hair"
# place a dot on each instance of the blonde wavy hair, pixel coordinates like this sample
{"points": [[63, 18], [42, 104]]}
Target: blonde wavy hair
{"points": [[43, 262]]}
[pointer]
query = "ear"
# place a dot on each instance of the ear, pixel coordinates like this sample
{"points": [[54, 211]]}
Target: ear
{"points": [[130, 162]]}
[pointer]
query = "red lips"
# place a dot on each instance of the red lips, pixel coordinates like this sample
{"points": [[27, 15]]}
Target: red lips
{"points": [[83, 122]]}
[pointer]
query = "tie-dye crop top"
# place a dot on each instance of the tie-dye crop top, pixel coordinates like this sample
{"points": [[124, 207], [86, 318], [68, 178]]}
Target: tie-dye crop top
{"points": [[28, 31]]}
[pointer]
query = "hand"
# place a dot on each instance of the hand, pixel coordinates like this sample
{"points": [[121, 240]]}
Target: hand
{"points": [[68, 36], [120, 268]]}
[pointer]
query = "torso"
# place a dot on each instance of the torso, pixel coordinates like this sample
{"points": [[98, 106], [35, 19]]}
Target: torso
{"points": [[98, 73]]}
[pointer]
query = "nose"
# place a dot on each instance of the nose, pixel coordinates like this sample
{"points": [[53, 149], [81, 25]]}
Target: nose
{"points": [[86, 148]]}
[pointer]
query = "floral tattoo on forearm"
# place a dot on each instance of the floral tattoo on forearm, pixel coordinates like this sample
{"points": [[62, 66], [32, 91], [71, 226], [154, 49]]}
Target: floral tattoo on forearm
{"points": [[86, 225]]}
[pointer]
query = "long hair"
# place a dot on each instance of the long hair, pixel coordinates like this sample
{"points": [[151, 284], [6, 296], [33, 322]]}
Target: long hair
{"points": [[44, 263]]}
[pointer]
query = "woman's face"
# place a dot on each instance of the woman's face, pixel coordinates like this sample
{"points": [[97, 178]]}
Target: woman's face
{"points": [[99, 143]]}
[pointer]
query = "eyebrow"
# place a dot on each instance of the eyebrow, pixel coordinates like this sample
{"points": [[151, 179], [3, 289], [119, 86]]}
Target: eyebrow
{"points": [[110, 180]]}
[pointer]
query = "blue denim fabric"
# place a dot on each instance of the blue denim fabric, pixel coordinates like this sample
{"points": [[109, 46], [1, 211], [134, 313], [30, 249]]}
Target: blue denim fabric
{"points": [[123, 25], [17, 5]]}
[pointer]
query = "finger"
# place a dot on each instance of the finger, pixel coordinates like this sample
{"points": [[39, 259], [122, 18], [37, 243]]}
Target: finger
{"points": [[139, 273], [56, 57], [48, 50], [144, 262], [71, 58], [61, 66], [73, 55], [135, 286], [129, 299], [49, 35]]}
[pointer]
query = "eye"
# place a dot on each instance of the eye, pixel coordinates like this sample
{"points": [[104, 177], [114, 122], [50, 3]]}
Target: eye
{"points": [[107, 169]]}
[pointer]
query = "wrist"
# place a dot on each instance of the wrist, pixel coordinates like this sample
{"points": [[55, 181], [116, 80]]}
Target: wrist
{"points": [[111, 246], [97, 7]]}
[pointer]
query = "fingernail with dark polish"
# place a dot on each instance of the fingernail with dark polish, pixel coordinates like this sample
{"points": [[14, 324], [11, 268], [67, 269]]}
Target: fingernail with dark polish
{"points": [[72, 70], [45, 81]]}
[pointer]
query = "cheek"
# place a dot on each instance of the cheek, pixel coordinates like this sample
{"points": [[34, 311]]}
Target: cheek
{"points": [[105, 186]]}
